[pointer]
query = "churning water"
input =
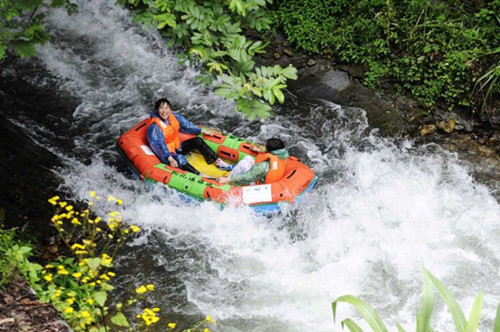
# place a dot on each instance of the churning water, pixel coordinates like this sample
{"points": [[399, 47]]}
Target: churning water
{"points": [[380, 211]]}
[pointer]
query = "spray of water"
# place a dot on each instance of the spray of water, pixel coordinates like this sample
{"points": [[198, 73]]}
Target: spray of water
{"points": [[381, 209]]}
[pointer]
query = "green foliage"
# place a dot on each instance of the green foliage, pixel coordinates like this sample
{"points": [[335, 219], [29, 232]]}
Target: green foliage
{"points": [[431, 50], [424, 316], [211, 33], [79, 286], [21, 24], [14, 256]]}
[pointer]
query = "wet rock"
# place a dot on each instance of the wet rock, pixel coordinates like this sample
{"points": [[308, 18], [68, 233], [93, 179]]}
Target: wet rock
{"points": [[427, 129], [288, 52], [311, 62], [324, 82], [447, 127]]}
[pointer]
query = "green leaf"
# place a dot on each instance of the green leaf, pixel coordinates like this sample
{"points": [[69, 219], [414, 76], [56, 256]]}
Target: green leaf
{"points": [[447, 296], [400, 328], [364, 309], [279, 94], [24, 49], [290, 72], [120, 320], [497, 320], [475, 314], [29, 4], [165, 19], [101, 297], [353, 327], [107, 287], [57, 3], [94, 263], [424, 316]]}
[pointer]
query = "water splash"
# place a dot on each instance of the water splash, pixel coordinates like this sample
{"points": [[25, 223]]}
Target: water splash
{"points": [[381, 209]]}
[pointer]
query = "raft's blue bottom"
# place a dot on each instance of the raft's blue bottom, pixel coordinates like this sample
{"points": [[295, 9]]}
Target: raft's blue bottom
{"points": [[274, 207]]}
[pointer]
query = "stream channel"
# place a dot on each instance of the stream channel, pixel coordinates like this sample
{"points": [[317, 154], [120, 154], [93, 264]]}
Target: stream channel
{"points": [[382, 207]]}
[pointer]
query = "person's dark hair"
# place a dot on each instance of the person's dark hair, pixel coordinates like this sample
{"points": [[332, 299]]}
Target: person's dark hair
{"points": [[162, 101], [274, 144]]}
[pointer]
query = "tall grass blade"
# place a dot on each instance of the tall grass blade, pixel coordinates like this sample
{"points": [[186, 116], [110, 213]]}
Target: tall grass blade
{"points": [[364, 309], [353, 327], [447, 296], [400, 328], [424, 316], [497, 320], [475, 314]]}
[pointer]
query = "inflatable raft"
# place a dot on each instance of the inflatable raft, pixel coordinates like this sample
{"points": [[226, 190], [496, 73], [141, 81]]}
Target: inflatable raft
{"points": [[298, 178]]}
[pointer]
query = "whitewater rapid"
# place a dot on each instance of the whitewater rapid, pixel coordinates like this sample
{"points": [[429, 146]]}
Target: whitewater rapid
{"points": [[380, 211]]}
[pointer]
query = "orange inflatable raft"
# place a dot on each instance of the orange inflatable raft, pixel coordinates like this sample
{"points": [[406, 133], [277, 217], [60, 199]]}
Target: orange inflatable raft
{"points": [[298, 178]]}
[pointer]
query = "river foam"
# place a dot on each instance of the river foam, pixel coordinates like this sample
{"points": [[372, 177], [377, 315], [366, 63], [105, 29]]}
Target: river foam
{"points": [[381, 209]]}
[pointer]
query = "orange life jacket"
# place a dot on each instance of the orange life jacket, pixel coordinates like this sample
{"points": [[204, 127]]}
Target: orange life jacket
{"points": [[277, 166], [170, 131]]}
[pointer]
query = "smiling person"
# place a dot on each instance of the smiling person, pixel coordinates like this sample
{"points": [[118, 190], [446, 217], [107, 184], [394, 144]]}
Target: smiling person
{"points": [[163, 139]]}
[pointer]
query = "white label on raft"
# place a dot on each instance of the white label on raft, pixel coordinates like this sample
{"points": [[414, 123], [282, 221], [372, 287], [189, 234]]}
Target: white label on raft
{"points": [[254, 194], [147, 150]]}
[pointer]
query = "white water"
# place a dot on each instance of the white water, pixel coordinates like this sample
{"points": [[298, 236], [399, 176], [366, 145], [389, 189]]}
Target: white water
{"points": [[380, 210]]}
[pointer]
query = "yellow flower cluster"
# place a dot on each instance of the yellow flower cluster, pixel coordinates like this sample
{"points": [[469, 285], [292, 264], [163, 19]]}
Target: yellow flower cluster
{"points": [[149, 316], [143, 289]]}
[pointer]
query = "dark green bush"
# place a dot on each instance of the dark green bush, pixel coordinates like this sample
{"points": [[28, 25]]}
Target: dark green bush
{"points": [[433, 50]]}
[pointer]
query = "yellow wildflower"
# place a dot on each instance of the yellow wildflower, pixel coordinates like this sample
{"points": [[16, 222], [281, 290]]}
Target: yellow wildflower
{"points": [[77, 246], [210, 319], [111, 198], [206, 329], [111, 274], [69, 310], [69, 207], [150, 287], [134, 229], [70, 301], [92, 193], [172, 325], [75, 221], [77, 275], [119, 201], [49, 266], [48, 277], [81, 252], [62, 204], [141, 290], [63, 272], [90, 301]]}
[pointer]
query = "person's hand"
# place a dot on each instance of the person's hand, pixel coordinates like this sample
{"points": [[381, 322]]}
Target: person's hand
{"points": [[256, 149], [173, 162], [224, 179], [207, 132]]}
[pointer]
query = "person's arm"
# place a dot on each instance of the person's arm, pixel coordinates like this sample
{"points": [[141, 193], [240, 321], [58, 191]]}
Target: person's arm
{"points": [[157, 143], [258, 171], [187, 126]]}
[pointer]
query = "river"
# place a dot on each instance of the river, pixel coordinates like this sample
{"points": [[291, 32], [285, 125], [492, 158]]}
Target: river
{"points": [[381, 209]]}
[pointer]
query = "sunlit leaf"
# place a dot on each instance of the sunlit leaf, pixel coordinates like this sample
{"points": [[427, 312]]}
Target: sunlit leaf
{"points": [[447, 296], [353, 327], [120, 320], [364, 310], [475, 314]]}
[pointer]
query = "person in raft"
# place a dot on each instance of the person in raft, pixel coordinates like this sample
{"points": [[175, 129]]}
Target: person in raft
{"points": [[266, 168], [163, 140]]}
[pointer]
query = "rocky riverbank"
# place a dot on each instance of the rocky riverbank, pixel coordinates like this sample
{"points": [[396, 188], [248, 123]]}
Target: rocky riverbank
{"points": [[475, 138]]}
